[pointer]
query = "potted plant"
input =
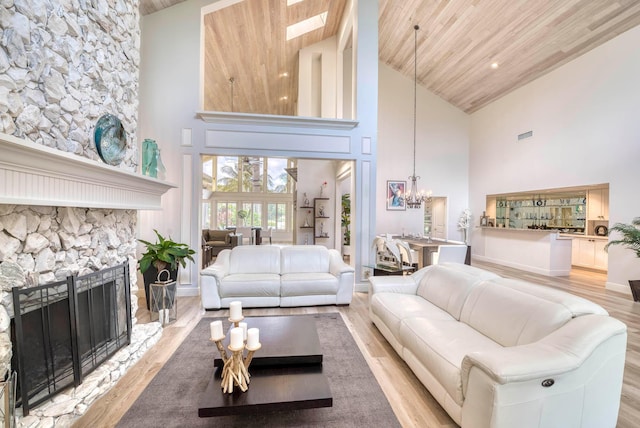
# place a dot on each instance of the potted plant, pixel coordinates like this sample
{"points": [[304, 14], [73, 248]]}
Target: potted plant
{"points": [[163, 254], [345, 222], [630, 239]]}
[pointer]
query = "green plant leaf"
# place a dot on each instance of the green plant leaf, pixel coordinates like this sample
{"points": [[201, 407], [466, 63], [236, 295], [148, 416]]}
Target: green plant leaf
{"points": [[630, 236], [164, 252]]}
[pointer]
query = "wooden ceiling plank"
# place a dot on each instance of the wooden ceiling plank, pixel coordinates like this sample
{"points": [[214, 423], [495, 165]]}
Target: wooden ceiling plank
{"points": [[457, 41]]}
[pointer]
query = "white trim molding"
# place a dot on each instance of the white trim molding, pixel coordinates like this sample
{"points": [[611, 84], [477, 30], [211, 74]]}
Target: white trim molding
{"points": [[275, 120], [33, 174]]}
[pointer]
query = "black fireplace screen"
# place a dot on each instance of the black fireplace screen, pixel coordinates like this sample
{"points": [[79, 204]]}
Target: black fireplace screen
{"points": [[64, 330]]}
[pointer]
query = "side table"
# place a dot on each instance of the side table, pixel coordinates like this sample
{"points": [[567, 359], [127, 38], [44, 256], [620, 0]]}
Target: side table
{"points": [[383, 270], [206, 256]]}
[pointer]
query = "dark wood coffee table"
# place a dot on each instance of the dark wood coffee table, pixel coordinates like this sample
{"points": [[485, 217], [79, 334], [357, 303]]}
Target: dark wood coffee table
{"points": [[286, 373]]}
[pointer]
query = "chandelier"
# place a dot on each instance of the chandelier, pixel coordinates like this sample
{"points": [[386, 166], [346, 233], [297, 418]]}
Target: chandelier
{"points": [[415, 198]]}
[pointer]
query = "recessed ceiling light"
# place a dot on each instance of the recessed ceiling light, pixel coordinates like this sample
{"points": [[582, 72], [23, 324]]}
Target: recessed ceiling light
{"points": [[285, 74], [290, 2], [494, 65], [309, 24], [285, 98]]}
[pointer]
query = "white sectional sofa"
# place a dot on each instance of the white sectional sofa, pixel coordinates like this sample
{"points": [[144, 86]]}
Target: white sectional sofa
{"points": [[496, 352], [265, 275]]}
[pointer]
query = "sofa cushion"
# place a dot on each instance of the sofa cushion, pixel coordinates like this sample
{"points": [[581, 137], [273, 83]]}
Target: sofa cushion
{"points": [[441, 345], [448, 285], [511, 317], [303, 284], [574, 304], [254, 259], [250, 285], [304, 259], [392, 308]]}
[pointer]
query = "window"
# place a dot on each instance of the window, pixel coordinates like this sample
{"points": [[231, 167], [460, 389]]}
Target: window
{"points": [[246, 174], [277, 216], [277, 177], [254, 213], [252, 174], [206, 215], [227, 174], [257, 185], [225, 214]]}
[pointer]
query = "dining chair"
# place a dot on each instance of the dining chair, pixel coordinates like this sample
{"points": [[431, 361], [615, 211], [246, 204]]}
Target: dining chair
{"points": [[268, 234], [449, 254]]}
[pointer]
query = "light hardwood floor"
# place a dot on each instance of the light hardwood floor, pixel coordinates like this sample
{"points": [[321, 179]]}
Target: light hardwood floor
{"points": [[411, 402]]}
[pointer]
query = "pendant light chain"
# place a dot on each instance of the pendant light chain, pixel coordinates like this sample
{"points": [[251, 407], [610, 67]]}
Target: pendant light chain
{"points": [[232, 81], [415, 198], [415, 91]]}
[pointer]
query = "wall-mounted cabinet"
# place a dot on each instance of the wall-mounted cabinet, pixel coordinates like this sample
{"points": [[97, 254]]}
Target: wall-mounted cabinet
{"points": [[598, 204]]}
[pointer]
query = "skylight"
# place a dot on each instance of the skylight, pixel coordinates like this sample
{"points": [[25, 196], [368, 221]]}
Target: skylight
{"points": [[309, 24]]}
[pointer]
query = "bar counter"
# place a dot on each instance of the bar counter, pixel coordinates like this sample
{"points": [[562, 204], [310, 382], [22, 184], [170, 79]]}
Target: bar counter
{"points": [[543, 251]]}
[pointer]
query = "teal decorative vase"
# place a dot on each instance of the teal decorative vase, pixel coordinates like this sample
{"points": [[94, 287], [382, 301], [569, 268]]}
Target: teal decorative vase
{"points": [[150, 158]]}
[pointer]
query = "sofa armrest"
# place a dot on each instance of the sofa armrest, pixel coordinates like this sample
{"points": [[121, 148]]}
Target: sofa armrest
{"points": [[220, 268], [210, 279], [561, 351], [404, 284], [345, 275], [571, 375], [337, 266]]}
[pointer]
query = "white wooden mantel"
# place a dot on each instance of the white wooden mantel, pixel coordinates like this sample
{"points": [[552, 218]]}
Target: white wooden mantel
{"points": [[33, 174]]}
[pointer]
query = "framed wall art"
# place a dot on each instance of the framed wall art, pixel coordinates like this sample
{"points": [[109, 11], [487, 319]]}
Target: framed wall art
{"points": [[395, 195]]}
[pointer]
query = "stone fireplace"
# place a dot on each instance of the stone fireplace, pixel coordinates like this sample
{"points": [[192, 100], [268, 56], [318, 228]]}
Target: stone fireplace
{"points": [[61, 215], [62, 211]]}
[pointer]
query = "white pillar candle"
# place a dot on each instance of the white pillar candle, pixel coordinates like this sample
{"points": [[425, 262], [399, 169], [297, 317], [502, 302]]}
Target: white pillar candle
{"points": [[253, 337], [243, 326], [235, 310], [216, 330], [236, 338]]}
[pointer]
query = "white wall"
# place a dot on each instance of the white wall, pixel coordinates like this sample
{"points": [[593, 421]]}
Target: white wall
{"points": [[584, 118], [442, 147], [317, 94], [170, 94]]}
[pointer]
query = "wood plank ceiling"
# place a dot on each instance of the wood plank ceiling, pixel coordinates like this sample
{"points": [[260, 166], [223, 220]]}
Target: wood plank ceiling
{"points": [[254, 52], [457, 43]]}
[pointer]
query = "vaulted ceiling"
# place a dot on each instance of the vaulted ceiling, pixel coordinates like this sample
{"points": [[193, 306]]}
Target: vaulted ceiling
{"points": [[457, 43]]}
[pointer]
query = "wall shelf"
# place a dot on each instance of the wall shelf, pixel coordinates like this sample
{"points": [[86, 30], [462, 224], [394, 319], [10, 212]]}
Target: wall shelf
{"points": [[318, 228]]}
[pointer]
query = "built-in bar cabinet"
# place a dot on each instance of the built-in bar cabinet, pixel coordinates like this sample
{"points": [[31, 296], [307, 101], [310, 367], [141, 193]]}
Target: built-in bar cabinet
{"points": [[579, 215]]}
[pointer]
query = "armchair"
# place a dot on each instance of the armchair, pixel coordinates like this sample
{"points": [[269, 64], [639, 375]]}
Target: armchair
{"points": [[218, 240]]}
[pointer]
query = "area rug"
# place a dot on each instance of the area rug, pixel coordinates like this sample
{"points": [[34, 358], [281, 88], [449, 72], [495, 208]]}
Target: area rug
{"points": [[172, 397]]}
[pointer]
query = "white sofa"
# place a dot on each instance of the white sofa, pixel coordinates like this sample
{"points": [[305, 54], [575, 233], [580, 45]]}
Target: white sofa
{"points": [[497, 352], [266, 275]]}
